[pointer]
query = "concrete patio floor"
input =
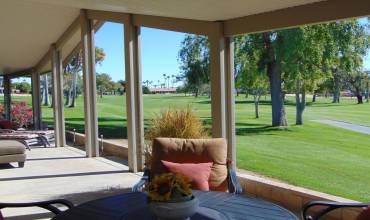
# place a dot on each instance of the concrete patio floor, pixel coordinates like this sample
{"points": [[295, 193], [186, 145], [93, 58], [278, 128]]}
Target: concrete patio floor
{"points": [[51, 173]]}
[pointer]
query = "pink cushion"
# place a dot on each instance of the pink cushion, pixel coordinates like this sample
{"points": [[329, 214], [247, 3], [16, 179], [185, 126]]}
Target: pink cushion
{"points": [[1, 216], [364, 215], [5, 124], [198, 172]]}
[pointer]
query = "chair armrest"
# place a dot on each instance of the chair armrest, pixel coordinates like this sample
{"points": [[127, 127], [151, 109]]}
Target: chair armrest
{"points": [[49, 205], [329, 206], [138, 187], [234, 185]]}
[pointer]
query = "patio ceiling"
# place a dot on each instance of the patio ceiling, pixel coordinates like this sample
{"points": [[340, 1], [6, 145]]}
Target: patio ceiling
{"points": [[29, 27], [207, 10], [28, 30]]}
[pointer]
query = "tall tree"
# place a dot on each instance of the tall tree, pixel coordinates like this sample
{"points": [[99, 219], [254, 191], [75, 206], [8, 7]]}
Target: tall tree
{"points": [[302, 66], [104, 83], [73, 68], [249, 76], [268, 46], [346, 45], [194, 61]]}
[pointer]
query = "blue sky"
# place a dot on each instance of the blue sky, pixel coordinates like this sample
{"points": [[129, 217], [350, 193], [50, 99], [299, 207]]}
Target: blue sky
{"points": [[159, 52]]}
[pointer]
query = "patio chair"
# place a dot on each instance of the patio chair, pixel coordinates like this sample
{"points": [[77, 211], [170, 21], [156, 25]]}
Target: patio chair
{"points": [[331, 206], [49, 205], [28, 138], [222, 176]]}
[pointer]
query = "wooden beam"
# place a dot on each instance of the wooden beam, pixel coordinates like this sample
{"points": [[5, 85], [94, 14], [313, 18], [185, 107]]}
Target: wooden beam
{"points": [[175, 24], [319, 12], [89, 78], [118, 17], [46, 58], [165, 23], [67, 34], [20, 73]]}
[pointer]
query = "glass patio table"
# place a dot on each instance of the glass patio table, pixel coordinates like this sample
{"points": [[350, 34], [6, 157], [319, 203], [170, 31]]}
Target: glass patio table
{"points": [[213, 205]]}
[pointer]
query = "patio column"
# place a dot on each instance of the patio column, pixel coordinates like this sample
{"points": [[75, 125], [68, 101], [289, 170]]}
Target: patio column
{"points": [[134, 98], [230, 99], [217, 56], [222, 89], [89, 79], [36, 102], [7, 97], [58, 107]]}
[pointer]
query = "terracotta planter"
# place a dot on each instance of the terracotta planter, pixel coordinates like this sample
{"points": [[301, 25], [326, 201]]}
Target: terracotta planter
{"points": [[174, 210]]}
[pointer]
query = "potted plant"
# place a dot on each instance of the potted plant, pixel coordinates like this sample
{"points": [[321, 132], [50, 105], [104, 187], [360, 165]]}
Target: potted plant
{"points": [[170, 197]]}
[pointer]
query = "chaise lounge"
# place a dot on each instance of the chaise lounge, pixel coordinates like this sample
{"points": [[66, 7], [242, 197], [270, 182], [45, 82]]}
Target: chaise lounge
{"points": [[12, 151]]}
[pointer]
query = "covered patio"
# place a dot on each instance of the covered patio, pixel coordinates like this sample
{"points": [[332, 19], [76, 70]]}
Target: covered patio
{"points": [[52, 173], [40, 36]]}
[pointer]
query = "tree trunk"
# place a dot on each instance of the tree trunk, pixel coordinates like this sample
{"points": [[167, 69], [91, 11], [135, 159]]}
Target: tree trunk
{"points": [[256, 105], [367, 90], [274, 74], [300, 106], [68, 95], [74, 90], [358, 96], [336, 95], [46, 90], [314, 96]]}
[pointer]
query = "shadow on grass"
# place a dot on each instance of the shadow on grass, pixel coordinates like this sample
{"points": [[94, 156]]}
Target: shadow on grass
{"points": [[265, 130]]}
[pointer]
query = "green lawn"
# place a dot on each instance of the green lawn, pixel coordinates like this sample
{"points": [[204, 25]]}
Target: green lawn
{"points": [[316, 156]]}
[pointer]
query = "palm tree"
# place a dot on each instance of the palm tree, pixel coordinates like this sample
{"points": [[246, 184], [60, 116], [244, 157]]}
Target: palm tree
{"points": [[165, 78]]}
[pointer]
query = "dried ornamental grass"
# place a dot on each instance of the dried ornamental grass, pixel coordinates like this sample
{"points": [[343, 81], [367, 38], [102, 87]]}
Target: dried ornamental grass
{"points": [[175, 123]]}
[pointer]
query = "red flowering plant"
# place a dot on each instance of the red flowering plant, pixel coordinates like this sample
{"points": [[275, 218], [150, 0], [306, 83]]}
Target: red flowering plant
{"points": [[21, 114]]}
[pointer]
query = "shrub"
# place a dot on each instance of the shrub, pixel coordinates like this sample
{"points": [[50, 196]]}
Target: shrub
{"points": [[21, 114], [174, 123]]}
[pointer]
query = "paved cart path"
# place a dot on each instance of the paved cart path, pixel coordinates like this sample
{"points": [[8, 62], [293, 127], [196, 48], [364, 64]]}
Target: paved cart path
{"points": [[345, 125]]}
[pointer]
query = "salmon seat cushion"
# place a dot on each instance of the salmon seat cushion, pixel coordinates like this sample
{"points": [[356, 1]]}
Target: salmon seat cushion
{"points": [[198, 172], [364, 215]]}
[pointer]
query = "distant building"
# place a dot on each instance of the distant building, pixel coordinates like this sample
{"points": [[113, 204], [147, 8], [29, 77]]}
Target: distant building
{"points": [[162, 90]]}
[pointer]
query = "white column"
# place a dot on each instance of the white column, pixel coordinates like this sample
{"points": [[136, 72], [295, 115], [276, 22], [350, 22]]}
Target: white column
{"points": [[217, 56], [7, 97], [134, 102], [222, 90], [89, 78], [36, 102], [230, 100], [58, 104]]}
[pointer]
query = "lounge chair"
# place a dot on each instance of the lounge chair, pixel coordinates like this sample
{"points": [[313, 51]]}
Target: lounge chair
{"points": [[12, 151], [28, 137]]}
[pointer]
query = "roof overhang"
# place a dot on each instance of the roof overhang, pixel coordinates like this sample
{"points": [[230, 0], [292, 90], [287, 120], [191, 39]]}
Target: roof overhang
{"points": [[28, 28]]}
